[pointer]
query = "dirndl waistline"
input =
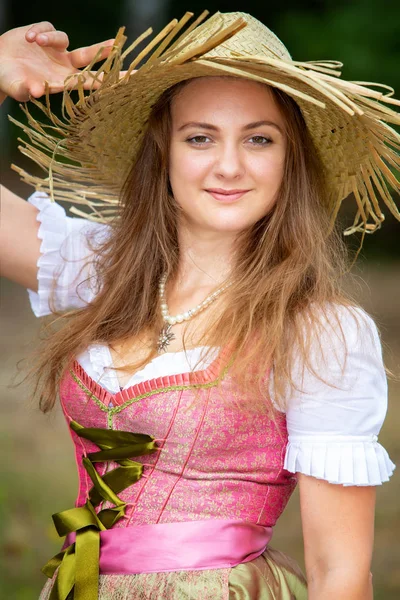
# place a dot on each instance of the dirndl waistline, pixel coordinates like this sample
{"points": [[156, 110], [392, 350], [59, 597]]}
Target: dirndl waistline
{"points": [[182, 546]]}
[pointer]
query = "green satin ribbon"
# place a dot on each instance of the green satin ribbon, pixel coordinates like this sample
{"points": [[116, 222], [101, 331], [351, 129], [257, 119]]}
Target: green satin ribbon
{"points": [[78, 564]]}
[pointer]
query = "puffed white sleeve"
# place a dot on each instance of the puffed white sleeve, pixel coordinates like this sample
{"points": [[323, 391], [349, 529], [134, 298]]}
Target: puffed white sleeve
{"points": [[64, 262], [333, 431]]}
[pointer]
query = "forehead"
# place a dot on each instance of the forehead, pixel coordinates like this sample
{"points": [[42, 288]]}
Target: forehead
{"points": [[224, 99]]}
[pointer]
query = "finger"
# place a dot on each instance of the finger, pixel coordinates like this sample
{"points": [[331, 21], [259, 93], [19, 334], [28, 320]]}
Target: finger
{"points": [[42, 27], [90, 80], [53, 39], [81, 57], [123, 73], [37, 89], [21, 91], [18, 91]]}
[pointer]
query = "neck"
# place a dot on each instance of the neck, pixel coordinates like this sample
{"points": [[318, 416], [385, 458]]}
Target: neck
{"points": [[205, 258]]}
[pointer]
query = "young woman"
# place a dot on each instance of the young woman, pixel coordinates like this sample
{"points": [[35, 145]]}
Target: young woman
{"points": [[207, 359]]}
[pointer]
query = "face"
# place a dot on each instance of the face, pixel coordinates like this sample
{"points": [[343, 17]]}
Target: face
{"points": [[227, 153]]}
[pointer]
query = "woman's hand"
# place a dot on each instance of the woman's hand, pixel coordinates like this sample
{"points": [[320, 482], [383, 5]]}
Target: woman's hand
{"points": [[35, 54]]}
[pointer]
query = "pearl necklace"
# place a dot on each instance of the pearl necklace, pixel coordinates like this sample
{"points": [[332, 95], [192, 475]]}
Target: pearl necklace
{"points": [[166, 336]]}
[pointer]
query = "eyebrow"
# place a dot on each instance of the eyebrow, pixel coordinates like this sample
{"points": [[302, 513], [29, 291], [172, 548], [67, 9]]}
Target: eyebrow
{"points": [[208, 126]]}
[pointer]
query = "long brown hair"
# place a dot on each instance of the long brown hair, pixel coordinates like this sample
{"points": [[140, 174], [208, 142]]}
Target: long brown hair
{"points": [[287, 269]]}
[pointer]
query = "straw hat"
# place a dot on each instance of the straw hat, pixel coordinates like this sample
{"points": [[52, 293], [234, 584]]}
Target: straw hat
{"points": [[88, 154]]}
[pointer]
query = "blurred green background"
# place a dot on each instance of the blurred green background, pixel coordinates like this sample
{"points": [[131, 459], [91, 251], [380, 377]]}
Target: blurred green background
{"points": [[38, 469]]}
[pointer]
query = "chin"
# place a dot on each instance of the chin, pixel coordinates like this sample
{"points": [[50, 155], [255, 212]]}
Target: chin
{"points": [[232, 222], [230, 226], [221, 222]]}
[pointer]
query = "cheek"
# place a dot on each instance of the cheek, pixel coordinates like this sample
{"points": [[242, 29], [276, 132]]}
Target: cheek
{"points": [[186, 166], [268, 170]]}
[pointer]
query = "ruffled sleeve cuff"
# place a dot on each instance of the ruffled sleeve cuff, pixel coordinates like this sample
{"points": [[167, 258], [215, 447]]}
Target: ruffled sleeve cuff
{"points": [[52, 232], [358, 460], [66, 276]]}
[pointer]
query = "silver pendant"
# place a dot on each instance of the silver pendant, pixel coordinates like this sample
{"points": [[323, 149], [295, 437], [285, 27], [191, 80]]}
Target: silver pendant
{"points": [[165, 338]]}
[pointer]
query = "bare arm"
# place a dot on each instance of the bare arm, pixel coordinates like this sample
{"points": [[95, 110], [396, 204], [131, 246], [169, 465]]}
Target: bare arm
{"points": [[19, 242], [338, 530]]}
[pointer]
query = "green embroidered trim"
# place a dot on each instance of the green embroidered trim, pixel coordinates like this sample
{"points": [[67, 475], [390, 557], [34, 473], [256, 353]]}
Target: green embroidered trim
{"points": [[172, 388], [88, 392]]}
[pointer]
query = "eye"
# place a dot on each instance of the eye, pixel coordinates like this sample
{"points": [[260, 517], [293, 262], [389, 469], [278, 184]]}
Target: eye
{"points": [[198, 140], [260, 140]]}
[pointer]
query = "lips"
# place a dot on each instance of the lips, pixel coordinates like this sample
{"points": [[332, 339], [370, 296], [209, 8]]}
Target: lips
{"points": [[226, 195]]}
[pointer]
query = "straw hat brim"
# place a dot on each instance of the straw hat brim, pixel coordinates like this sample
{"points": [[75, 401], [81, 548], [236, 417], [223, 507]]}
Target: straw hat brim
{"points": [[102, 132]]}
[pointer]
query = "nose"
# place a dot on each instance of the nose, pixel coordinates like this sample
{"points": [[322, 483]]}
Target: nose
{"points": [[229, 161]]}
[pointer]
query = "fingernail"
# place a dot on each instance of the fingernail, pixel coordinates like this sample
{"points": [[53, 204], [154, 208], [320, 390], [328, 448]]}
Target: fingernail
{"points": [[43, 38], [30, 35]]}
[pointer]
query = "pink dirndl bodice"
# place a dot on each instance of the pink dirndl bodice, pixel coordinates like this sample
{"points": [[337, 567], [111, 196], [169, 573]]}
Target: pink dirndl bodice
{"points": [[215, 461]]}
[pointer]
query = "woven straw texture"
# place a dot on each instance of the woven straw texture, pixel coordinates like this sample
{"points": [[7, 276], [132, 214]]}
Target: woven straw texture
{"points": [[87, 155]]}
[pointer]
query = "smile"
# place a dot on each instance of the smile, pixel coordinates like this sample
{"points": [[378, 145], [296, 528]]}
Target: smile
{"points": [[226, 196]]}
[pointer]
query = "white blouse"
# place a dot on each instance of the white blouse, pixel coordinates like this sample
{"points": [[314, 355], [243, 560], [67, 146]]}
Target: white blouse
{"points": [[333, 427]]}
